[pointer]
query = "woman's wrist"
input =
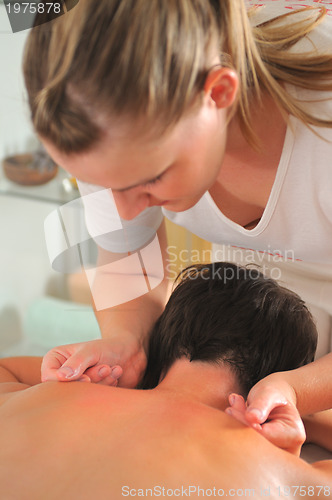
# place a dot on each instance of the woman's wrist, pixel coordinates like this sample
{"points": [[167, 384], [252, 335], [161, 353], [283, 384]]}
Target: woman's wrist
{"points": [[126, 337], [284, 383]]}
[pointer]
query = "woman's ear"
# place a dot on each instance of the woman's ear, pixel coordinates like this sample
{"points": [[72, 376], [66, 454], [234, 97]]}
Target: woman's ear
{"points": [[221, 85]]}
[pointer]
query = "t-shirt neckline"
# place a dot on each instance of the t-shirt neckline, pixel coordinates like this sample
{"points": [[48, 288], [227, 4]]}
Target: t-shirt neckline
{"points": [[275, 190]]}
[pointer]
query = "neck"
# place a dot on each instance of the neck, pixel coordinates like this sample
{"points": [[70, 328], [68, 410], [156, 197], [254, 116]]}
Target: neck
{"points": [[203, 382], [267, 123]]}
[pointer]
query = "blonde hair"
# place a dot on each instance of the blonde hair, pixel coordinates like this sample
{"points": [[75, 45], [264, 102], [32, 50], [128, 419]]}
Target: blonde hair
{"points": [[150, 59]]}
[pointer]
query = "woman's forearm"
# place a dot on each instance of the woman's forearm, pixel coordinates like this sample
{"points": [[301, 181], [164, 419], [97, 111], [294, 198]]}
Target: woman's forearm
{"points": [[126, 311], [135, 317], [318, 429], [312, 385], [116, 282]]}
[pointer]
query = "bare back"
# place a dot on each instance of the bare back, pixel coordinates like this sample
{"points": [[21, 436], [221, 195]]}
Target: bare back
{"points": [[85, 441]]}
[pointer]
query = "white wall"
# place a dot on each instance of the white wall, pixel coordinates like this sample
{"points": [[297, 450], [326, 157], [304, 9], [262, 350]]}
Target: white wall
{"points": [[16, 134], [24, 265]]}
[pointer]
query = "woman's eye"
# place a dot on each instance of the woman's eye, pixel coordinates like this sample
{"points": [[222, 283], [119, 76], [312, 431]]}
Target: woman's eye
{"points": [[153, 181]]}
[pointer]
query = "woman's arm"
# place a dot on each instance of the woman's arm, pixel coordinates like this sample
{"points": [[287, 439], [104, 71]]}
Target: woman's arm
{"points": [[136, 316], [312, 384], [124, 327], [309, 388], [318, 429]]}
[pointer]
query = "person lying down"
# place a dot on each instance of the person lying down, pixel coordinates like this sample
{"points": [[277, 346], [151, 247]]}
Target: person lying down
{"points": [[224, 328]]}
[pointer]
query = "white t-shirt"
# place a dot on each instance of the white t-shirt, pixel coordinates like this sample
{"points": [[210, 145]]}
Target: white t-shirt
{"points": [[297, 221]]}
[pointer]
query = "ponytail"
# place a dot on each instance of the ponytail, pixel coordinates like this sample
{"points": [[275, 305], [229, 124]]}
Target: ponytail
{"points": [[262, 58], [62, 122], [48, 59]]}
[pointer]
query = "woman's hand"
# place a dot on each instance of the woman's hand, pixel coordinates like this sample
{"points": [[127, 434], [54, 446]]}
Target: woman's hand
{"points": [[267, 395], [271, 410], [116, 361]]}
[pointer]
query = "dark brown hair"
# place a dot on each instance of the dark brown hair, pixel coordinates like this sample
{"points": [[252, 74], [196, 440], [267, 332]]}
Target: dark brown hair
{"points": [[220, 312]]}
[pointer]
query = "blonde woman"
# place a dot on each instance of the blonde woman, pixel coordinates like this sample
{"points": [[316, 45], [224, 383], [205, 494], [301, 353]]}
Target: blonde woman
{"points": [[189, 109]]}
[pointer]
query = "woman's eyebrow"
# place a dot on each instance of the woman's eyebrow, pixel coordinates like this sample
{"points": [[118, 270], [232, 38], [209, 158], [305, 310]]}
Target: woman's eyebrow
{"points": [[129, 187]]}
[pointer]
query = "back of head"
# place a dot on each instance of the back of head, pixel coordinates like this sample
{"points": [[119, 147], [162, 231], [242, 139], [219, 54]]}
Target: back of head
{"points": [[220, 312]]}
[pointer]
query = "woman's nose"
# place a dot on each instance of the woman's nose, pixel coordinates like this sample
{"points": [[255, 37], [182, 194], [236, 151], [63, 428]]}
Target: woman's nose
{"points": [[130, 204]]}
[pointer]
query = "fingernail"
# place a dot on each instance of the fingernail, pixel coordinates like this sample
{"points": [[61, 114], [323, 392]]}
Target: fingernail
{"points": [[256, 413], [257, 427], [116, 372], [103, 372], [231, 399], [229, 412], [66, 372]]}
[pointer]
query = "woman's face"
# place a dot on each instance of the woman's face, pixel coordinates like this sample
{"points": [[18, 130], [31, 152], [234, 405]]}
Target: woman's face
{"points": [[173, 171]]}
